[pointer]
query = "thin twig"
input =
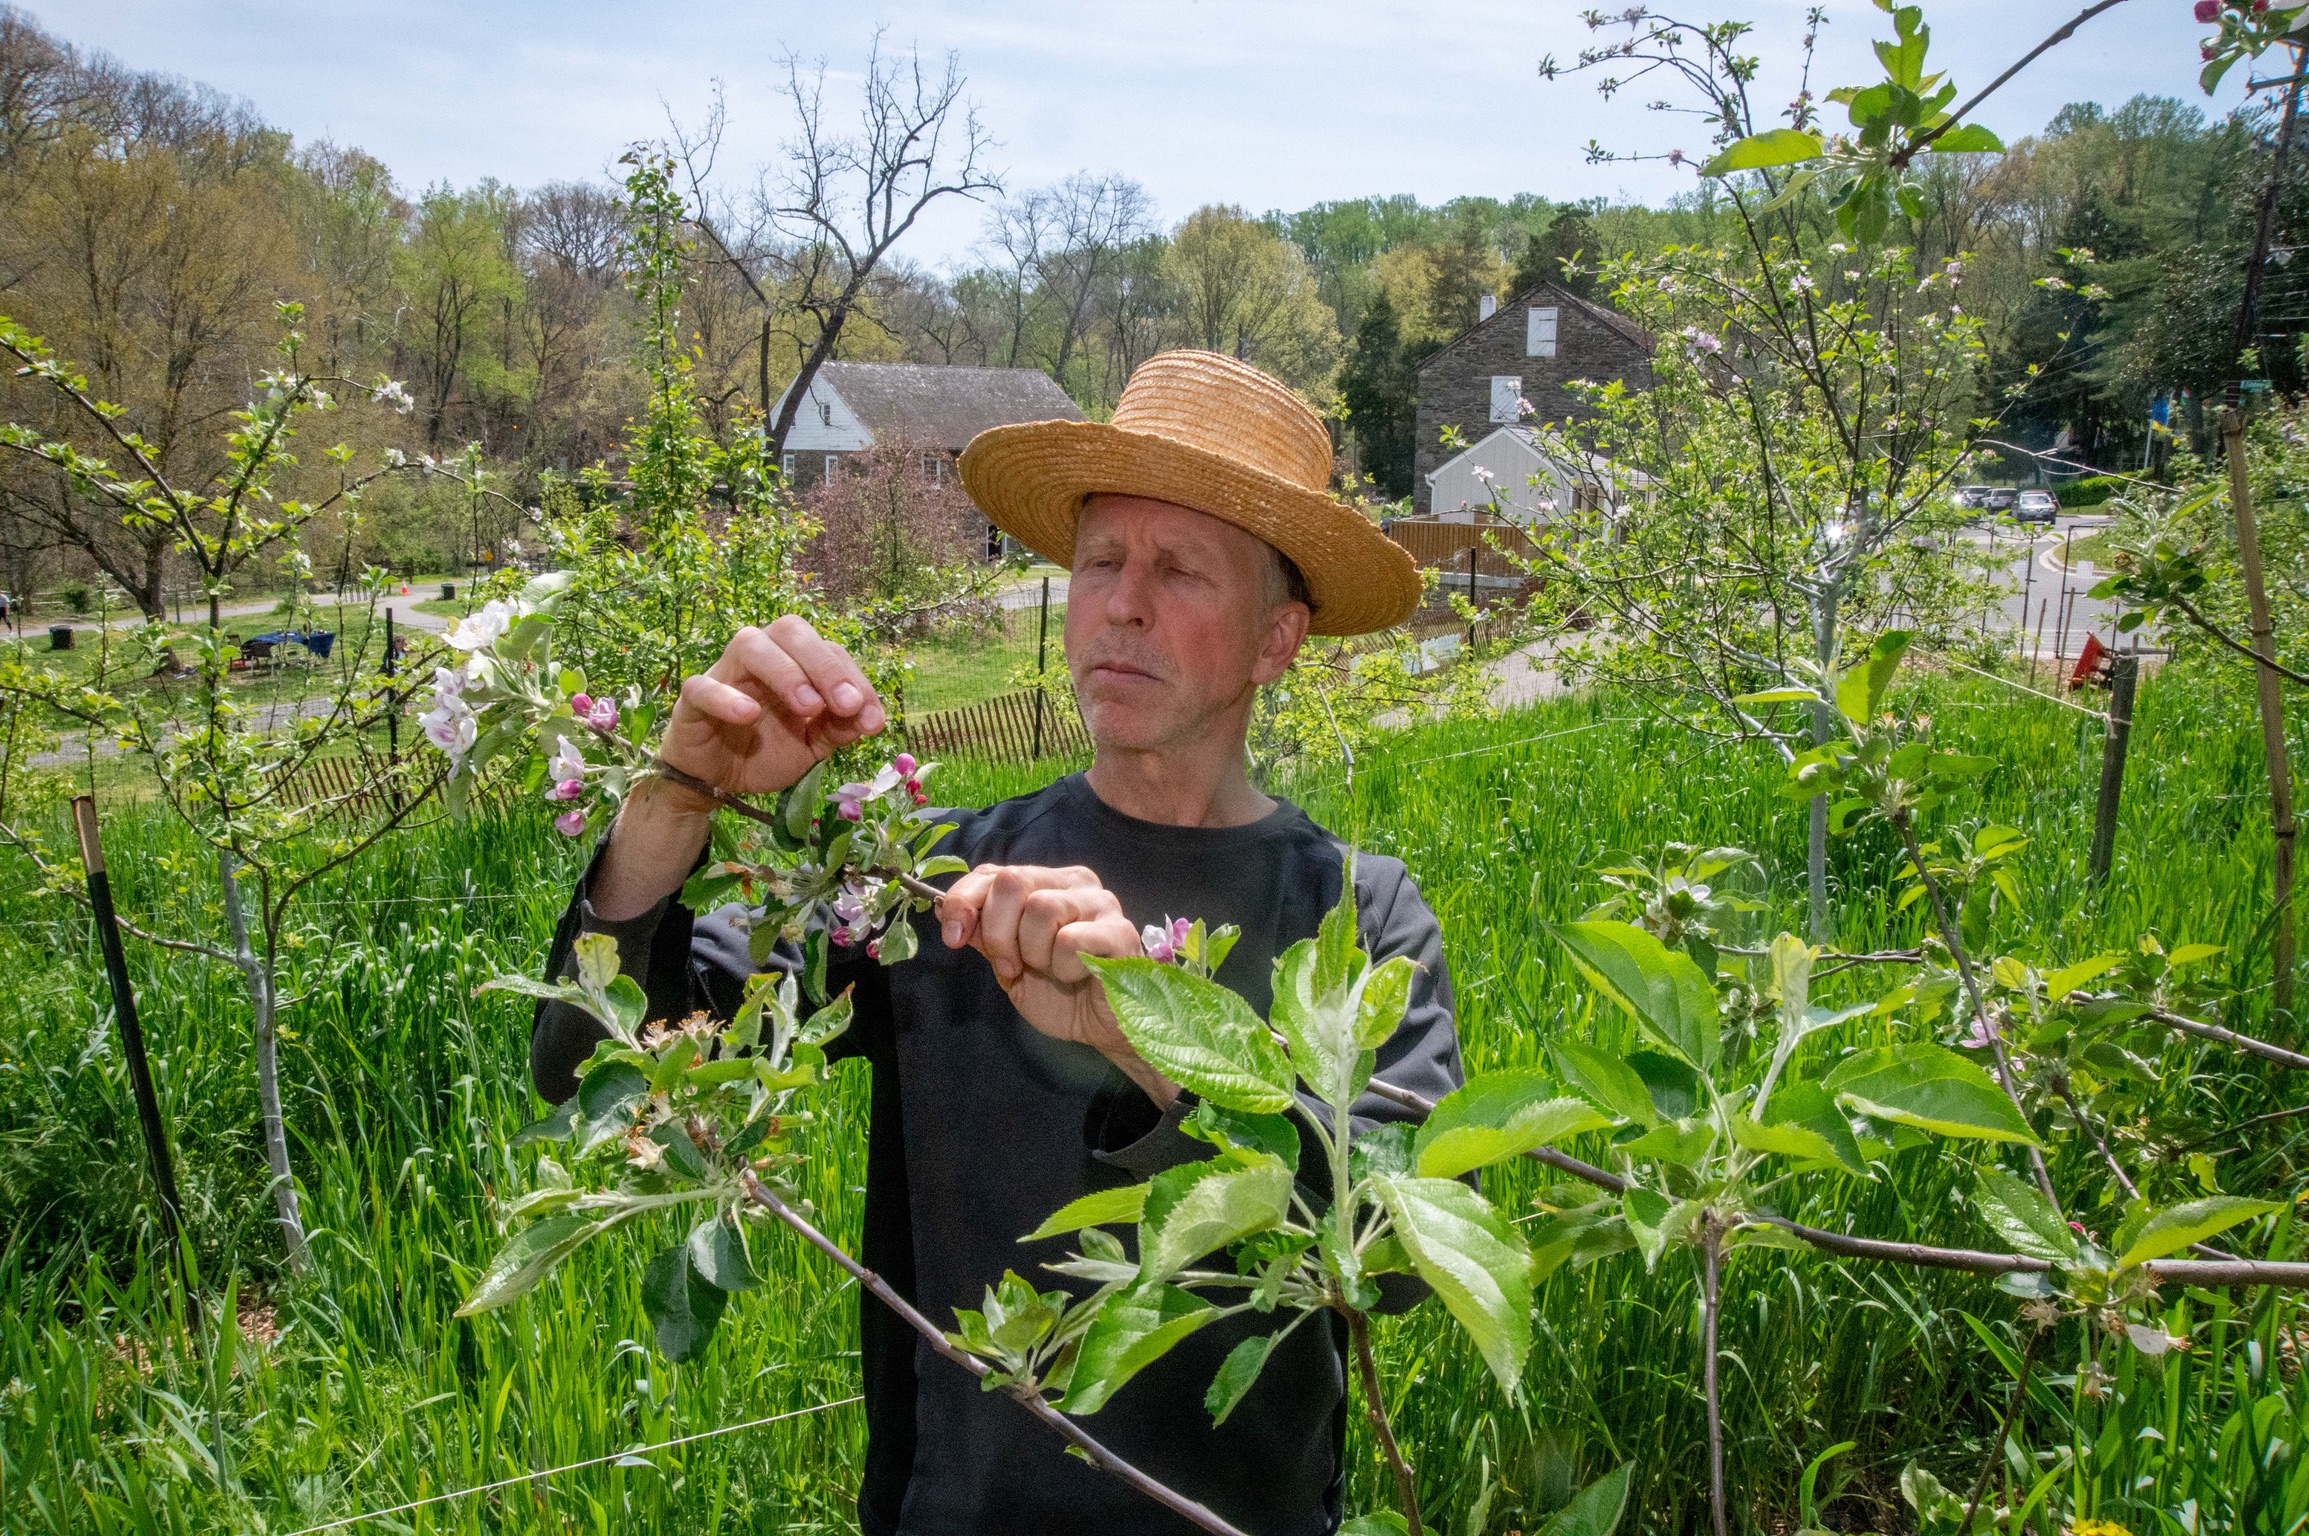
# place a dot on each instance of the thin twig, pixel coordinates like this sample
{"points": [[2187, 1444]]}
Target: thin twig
{"points": [[1900, 161], [1712, 1270], [2004, 1430], [2230, 1037], [746, 808], [1018, 1392], [1375, 1407]]}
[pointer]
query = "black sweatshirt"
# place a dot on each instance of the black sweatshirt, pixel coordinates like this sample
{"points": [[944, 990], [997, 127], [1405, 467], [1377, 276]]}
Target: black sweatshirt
{"points": [[981, 1127]]}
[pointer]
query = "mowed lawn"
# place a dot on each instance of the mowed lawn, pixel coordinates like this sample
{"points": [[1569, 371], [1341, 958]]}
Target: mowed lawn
{"points": [[356, 1389]]}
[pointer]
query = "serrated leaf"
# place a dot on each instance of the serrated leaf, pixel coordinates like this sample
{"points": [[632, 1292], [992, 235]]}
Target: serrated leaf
{"points": [[2192, 1221], [1201, 1207], [1860, 692], [1968, 139], [1238, 1373], [1785, 1140], [1132, 1329], [1930, 1088], [1810, 1108], [1660, 988], [1596, 1509], [1196, 1033], [1472, 1259], [605, 1101], [1646, 1211], [1384, 1150], [717, 1251], [1758, 151], [1605, 1078], [1777, 696], [1494, 1117], [1274, 1135], [557, 1126], [683, 1306], [2026, 1221], [1380, 1000], [1101, 1207], [527, 1259]]}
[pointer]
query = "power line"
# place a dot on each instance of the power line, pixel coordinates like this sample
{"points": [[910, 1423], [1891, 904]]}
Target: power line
{"points": [[595, 1461]]}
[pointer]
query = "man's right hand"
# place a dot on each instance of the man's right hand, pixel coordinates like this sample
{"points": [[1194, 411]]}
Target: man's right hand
{"points": [[778, 702]]}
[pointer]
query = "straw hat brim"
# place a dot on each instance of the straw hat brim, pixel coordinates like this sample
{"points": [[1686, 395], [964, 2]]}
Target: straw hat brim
{"points": [[1031, 479]]}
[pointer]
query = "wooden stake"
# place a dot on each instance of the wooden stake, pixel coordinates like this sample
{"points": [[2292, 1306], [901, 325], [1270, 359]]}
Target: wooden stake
{"points": [[2124, 675], [2272, 703], [131, 1029]]}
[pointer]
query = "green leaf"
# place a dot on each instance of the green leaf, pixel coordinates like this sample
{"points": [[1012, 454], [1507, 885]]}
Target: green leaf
{"points": [[1969, 139], [1495, 1117], [1236, 1376], [682, 1304], [1384, 1150], [1774, 146], [627, 1003], [1646, 1213], [1860, 692], [1931, 1088], [2192, 1221], [1809, 1108], [1596, 1509], [2059, 984], [1605, 1078], [557, 1126], [1472, 1259], [527, 1259], [1274, 1135], [717, 1251], [800, 804], [1785, 1140], [605, 1101], [1778, 696], [1385, 1522], [823, 1024], [1131, 1330], [1099, 1208], [1661, 989], [1196, 1033], [1683, 1142], [1201, 1207], [2016, 1212], [1380, 1001], [1319, 1025]]}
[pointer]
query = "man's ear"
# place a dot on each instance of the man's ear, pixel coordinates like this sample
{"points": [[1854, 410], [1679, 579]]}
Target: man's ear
{"points": [[1286, 632]]}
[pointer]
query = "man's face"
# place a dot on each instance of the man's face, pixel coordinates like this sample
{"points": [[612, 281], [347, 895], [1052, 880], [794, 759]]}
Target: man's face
{"points": [[1170, 622]]}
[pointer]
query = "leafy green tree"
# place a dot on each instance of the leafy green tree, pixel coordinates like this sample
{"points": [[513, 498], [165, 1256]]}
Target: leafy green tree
{"points": [[1379, 390], [1566, 253]]}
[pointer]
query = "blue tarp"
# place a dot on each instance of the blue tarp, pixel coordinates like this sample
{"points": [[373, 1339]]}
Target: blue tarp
{"points": [[318, 641]]}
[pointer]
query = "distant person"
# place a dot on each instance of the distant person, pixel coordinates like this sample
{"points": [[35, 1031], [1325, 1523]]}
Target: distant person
{"points": [[1204, 548]]}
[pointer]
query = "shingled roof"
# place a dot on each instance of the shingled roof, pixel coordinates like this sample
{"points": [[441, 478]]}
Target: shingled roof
{"points": [[945, 407]]}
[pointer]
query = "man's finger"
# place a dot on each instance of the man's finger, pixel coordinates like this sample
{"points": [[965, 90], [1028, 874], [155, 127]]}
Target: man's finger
{"points": [[962, 910], [718, 701], [997, 937], [830, 670], [752, 655], [1105, 938], [1047, 911]]}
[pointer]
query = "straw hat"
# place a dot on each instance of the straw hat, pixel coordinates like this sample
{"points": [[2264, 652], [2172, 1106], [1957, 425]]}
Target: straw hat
{"points": [[1201, 430]]}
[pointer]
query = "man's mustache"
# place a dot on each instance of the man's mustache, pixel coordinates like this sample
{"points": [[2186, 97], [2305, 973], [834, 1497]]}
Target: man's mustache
{"points": [[1118, 652]]}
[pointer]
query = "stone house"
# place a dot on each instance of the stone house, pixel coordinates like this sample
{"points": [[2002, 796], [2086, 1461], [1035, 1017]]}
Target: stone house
{"points": [[851, 406], [1528, 349]]}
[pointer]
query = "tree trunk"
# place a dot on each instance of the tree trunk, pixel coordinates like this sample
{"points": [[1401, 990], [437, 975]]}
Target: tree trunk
{"points": [[2272, 703], [258, 974], [1825, 604]]}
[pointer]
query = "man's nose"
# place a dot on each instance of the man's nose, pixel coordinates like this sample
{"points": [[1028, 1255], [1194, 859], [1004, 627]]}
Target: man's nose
{"points": [[1130, 597]]}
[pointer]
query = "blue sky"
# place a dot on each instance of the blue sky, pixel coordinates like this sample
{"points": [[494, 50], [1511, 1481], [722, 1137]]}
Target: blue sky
{"points": [[1267, 103]]}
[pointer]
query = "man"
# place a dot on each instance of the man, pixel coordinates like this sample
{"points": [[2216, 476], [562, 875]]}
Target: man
{"points": [[1203, 547]]}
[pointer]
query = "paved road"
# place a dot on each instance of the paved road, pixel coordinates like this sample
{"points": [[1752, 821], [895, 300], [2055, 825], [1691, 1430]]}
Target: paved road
{"points": [[2040, 590]]}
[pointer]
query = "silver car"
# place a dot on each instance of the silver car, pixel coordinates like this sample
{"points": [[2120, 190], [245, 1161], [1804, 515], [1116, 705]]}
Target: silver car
{"points": [[2036, 506]]}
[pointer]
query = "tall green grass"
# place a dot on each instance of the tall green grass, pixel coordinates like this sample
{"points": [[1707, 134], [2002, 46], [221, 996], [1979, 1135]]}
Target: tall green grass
{"points": [[403, 1086]]}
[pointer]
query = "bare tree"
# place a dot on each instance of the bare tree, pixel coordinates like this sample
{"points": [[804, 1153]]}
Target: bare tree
{"points": [[1095, 220], [1017, 238]]}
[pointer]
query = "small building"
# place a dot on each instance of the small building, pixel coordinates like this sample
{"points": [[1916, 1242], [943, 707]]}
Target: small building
{"points": [[1523, 353], [1518, 473], [851, 406]]}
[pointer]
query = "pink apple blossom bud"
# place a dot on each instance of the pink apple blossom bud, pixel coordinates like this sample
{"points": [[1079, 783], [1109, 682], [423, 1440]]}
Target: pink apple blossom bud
{"points": [[567, 789], [916, 791], [2205, 51], [848, 811], [2208, 11], [569, 823], [905, 764], [873, 949], [840, 936], [602, 716], [579, 703]]}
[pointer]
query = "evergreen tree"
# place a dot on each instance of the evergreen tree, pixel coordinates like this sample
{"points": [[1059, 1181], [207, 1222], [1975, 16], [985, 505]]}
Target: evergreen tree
{"points": [[1379, 386], [1547, 255]]}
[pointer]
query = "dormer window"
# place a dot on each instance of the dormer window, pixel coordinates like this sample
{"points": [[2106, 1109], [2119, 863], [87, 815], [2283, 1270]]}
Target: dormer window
{"points": [[825, 413]]}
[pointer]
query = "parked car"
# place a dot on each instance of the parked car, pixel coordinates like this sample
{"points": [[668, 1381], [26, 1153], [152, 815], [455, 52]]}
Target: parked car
{"points": [[2001, 498], [1972, 497], [2035, 506]]}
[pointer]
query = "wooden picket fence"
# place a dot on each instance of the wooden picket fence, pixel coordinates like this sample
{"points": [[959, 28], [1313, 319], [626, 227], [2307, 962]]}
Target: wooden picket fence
{"points": [[1004, 728], [1433, 542]]}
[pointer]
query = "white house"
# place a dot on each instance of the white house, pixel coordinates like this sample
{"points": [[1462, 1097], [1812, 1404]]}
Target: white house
{"points": [[1520, 474], [850, 406]]}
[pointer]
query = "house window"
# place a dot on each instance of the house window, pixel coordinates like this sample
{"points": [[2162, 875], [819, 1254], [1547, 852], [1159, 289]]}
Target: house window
{"points": [[1506, 394], [1539, 332], [832, 459], [786, 465], [825, 413], [934, 465]]}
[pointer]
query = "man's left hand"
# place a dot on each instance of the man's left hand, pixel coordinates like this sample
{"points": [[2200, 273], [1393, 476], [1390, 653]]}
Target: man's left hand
{"points": [[1034, 926]]}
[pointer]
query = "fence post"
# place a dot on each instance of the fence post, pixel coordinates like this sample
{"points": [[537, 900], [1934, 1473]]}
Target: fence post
{"points": [[1041, 660], [2124, 675], [1471, 549], [131, 1030]]}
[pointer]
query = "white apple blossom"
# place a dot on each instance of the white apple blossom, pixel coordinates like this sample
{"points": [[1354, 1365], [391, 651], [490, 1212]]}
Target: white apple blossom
{"points": [[477, 631]]}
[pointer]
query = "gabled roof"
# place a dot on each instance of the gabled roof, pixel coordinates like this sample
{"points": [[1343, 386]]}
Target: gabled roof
{"points": [[1564, 298], [945, 407]]}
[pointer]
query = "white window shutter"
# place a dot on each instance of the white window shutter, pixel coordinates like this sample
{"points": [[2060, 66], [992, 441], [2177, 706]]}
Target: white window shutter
{"points": [[1505, 392], [1539, 332]]}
